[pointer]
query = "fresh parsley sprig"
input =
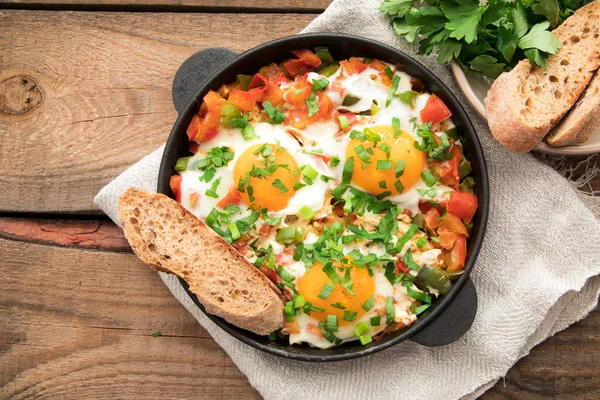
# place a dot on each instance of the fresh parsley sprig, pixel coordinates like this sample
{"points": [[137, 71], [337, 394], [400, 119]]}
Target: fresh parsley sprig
{"points": [[489, 38]]}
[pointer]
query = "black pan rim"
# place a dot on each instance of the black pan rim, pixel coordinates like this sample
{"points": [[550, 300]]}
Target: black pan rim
{"points": [[476, 154]]}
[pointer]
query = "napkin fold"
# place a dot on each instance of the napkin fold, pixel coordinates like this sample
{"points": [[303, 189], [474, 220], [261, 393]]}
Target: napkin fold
{"points": [[535, 274]]}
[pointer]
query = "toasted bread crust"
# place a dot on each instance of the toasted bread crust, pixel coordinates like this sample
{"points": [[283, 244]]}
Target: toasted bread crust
{"points": [[525, 103], [588, 130], [170, 239], [586, 108]]}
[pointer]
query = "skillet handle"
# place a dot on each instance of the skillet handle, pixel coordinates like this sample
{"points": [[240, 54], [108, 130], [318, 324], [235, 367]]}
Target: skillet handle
{"points": [[195, 71], [454, 322]]}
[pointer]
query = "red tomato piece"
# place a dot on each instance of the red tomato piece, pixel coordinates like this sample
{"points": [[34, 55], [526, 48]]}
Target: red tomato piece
{"points": [[456, 258], [463, 204], [192, 129], [257, 80], [325, 106], [265, 230], [308, 57], [242, 100], [432, 219], [400, 267], [452, 223], [273, 94], [353, 66], [175, 184], [435, 110], [447, 239], [205, 133], [232, 197]]}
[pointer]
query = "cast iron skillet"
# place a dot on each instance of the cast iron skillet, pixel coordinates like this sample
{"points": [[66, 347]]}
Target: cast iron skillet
{"points": [[451, 315]]}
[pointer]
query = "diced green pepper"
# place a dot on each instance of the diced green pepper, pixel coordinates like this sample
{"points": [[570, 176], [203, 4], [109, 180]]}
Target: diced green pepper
{"points": [[464, 188], [367, 60], [324, 55], [182, 164], [350, 101], [452, 133], [469, 182], [229, 111], [419, 220], [329, 70], [434, 278], [244, 81], [464, 168], [290, 235]]}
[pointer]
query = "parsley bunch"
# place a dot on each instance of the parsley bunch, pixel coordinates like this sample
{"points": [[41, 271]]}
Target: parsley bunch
{"points": [[489, 38]]}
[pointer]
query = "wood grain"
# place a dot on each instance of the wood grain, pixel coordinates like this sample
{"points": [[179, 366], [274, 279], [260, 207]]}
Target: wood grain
{"points": [[106, 82], [89, 234], [78, 324], [239, 5]]}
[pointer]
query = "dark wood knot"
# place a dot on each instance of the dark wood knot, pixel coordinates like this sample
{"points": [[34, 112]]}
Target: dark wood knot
{"points": [[19, 94]]}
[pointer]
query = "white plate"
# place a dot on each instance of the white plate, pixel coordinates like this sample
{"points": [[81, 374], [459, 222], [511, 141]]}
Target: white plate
{"points": [[475, 87]]}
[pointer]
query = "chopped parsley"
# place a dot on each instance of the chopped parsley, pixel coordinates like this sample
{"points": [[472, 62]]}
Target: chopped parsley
{"points": [[311, 103], [275, 115]]}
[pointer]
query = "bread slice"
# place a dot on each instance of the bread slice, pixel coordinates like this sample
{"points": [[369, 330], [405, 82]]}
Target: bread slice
{"points": [[588, 105], [588, 130], [170, 239], [525, 103]]}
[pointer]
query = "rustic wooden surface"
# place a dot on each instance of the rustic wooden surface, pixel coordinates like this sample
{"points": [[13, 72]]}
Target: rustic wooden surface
{"points": [[83, 95]]}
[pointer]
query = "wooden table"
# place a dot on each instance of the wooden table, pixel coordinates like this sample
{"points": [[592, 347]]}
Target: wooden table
{"points": [[85, 93]]}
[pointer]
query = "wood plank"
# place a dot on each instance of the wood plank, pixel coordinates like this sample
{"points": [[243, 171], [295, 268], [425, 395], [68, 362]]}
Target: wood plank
{"points": [[78, 323], [105, 80], [92, 234], [189, 5]]}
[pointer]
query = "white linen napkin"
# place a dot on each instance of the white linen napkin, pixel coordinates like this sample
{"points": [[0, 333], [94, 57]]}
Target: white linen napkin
{"points": [[535, 274]]}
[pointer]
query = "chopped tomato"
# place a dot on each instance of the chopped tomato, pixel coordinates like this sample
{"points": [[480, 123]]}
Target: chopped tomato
{"points": [[425, 206], [241, 247], [463, 204], [192, 129], [455, 258], [298, 94], [325, 106], [265, 230], [447, 171], [400, 267], [378, 65], [431, 219], [298, 118], [273, 94], [452, 223], [351, 117], [306, 62], [435, 110], [232, 197], [205, 133], [213, 110], [447, 239], [257, 94], [296, 67], [257, 80], [353, 66], [242, 100], [308, 57], [175, 184], [269, 273], [273, 73]]}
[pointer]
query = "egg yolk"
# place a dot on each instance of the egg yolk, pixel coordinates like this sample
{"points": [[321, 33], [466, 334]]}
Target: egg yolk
{"points": [[400, 148], [313, 281], [270, 172]]}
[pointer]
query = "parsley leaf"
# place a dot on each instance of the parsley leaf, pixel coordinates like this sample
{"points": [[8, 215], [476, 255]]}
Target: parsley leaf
{"points": [[312, 104], [274, 115]]}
